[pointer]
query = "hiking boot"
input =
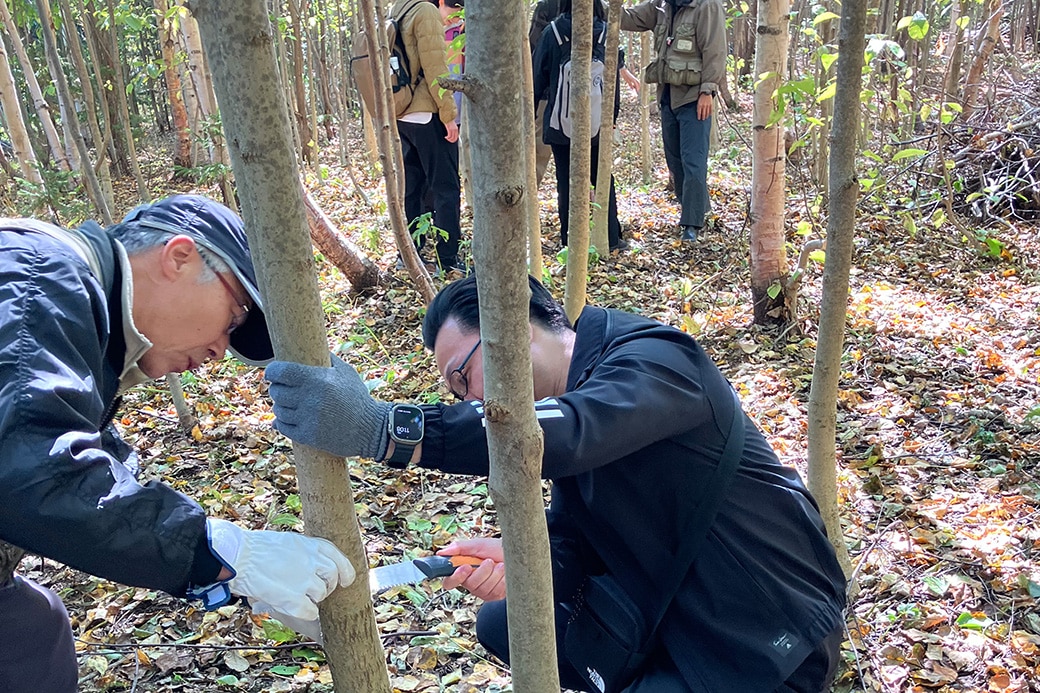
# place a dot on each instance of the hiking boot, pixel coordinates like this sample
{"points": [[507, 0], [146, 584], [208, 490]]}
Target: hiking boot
{"points": [[622, 246], [688, 233]]}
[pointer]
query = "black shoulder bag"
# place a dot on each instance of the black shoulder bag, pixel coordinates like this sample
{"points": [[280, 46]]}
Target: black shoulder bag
{"points": [[608, 638]]}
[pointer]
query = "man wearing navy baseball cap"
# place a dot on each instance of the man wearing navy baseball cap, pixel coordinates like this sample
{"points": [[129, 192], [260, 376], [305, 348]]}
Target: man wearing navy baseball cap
{"points": [[84, 314]]}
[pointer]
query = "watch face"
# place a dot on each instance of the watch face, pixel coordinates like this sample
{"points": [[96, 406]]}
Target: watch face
{"points": [[406, 424]]}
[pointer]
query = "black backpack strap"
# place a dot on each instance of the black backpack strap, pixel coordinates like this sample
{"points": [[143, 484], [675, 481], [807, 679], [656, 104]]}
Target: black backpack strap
{"points": [[399, 40]]}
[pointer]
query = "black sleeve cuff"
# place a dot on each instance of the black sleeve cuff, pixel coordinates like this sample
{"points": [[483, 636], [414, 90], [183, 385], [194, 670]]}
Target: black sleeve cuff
{"points": [[205, 568]]}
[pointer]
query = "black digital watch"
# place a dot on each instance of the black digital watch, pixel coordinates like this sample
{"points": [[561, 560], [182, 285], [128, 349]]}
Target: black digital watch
{"points": [[406, 430]]}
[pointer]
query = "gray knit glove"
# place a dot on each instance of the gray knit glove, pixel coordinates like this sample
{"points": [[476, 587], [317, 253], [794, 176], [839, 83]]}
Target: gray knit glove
{"points": [[328, 408]]}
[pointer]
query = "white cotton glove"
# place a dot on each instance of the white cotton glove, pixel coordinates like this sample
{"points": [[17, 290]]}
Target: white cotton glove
{"points": [[312, 629], [289, 572]]}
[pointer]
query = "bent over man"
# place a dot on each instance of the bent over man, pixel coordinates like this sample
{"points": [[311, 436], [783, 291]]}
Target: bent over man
{"points": [[637, 421], [85, 314]]}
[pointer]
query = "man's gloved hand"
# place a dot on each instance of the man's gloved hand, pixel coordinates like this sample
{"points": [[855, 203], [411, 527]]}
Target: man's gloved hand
{"points": [[290, 572], [328, 408]]}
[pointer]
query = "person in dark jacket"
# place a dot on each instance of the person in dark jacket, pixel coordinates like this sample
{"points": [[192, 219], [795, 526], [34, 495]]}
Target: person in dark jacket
{"points": [[554, 48], [627, 407], [86, 314]]}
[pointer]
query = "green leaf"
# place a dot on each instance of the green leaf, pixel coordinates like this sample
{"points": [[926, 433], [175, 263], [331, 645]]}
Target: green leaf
{"points": [[969, 621], [285, 520], [908, 152], [308, 654], [293, 502], [823, 17], [774, 290], [819, 256], [230, 681], [284, 669], [827, 59], [827, 92], [274, 630], [936, 584]]}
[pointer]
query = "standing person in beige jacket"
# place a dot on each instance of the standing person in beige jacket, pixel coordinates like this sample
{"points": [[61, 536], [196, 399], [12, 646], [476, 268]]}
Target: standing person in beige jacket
{"points": [[429, 133]]}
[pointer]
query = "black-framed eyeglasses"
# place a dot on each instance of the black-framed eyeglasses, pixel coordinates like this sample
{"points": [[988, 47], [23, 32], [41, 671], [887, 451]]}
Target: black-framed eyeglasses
{"points": [[457, 380], [239, 319]]}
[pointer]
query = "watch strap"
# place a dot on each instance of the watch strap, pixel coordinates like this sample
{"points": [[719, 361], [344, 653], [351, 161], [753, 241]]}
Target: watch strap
{"points": [[401, 457]]}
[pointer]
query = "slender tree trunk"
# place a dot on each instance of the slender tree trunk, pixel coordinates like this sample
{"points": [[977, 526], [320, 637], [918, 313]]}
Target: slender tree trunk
{"points": [[20, 140], [239, 42], [841, 220], [605, 164], [307, 150], [182, 133], [337, 248], [102, 63], [72, 128], [390, 148], [581, 150], [986, 45], [535, 263], [123, 110], [43, 109], [769, 267], [646, 95], [90, 103], [495, 46]]}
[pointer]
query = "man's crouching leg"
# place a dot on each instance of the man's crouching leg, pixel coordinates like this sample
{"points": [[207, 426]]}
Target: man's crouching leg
{"points": [[36, 649], [493, 634]]}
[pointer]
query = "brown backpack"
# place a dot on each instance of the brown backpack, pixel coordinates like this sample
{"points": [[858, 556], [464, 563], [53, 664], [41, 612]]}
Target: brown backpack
{"points": [[399, 73]]}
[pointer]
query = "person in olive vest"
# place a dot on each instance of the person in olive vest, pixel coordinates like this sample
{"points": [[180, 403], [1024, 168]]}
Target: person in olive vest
{"points": [[689, 65]]}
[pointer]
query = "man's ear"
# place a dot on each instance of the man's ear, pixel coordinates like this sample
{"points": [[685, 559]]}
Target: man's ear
{"points": [[178, 255]]}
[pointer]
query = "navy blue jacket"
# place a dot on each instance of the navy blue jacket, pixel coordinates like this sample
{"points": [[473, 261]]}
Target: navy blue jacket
{"points": [[632, 440], [67, 485]]}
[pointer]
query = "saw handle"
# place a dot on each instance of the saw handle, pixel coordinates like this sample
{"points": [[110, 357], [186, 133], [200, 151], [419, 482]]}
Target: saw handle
{"points": [[443, 566]]}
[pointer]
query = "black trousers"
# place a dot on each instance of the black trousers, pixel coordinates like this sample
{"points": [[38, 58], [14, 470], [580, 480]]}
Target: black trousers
{"points": [[814, 675], [36, 647], [431, 171], [562, 157]]}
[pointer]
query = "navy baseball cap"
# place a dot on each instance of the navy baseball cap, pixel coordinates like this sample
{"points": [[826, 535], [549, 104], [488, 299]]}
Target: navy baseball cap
{"points": [[221, 231]]}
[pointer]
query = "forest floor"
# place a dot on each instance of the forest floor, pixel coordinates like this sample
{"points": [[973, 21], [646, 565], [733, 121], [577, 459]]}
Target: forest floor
{"points": [[938, 426]]}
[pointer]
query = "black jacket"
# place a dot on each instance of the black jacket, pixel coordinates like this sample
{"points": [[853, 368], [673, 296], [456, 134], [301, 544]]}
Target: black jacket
{"points": [[632, 440], [67, 485]]}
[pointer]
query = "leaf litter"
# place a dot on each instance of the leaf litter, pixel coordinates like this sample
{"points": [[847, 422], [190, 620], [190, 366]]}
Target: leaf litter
{"points": [[938, 446]]}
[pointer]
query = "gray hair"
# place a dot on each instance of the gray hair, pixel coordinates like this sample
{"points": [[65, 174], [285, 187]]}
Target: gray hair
{"points": [[139, 239]]}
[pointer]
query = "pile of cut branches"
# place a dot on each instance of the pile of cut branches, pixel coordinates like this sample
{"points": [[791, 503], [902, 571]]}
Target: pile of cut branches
{"points": [[998, 163]]}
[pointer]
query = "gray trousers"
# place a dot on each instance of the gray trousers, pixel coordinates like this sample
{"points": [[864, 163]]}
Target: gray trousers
{"points": [[36, 648]]}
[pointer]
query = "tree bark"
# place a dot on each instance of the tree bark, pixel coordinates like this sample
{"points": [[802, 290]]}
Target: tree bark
{"points": [[581, 151], [72, 128], [604, 166], [87, 89], [988, 42], [646, 150], [495, 32], [769, 267], [841, 229], [307, 145], [20, 140], [361, 272], [179, 114], [239, 41], [390, 148], [43, 109], [123, 110], [535, 262]]}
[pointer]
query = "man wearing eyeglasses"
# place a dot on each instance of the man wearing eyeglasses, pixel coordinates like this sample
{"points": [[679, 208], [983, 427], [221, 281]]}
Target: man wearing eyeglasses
{"points": [[85, 314], [637, 422]]}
